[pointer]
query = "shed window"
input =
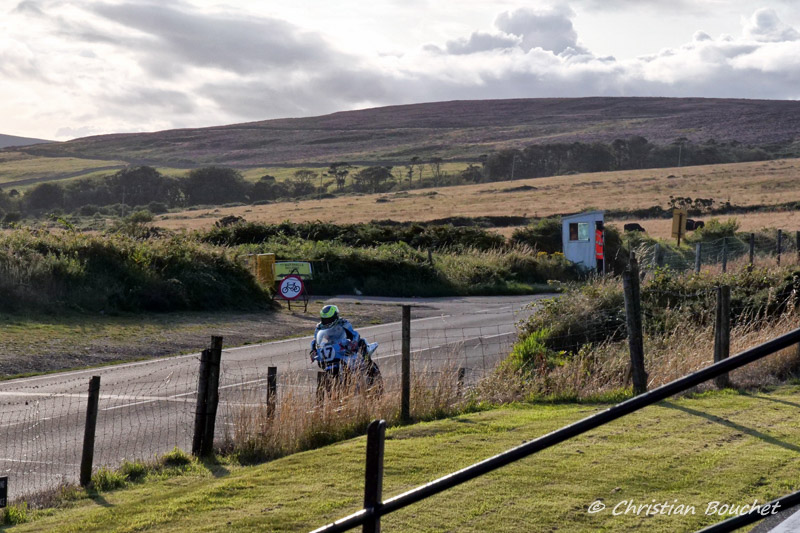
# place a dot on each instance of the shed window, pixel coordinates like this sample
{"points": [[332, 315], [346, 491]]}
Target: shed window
{"points": [[579, 231]]}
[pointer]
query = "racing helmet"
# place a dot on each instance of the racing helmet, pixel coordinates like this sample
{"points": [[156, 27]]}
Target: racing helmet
{"points": [[329, 314]]}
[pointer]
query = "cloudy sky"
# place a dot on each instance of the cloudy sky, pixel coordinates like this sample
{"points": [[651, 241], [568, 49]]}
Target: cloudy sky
{"points": [[71, 68]]}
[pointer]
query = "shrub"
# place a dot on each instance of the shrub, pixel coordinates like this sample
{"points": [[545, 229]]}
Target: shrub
{"points": [[713, 230], [544, 235], [133, 471], [176, 458], [105, 480], [15, 514]]}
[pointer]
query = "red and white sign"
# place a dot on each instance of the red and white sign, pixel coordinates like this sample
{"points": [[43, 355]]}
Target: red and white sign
{"points": [[291, 287]]}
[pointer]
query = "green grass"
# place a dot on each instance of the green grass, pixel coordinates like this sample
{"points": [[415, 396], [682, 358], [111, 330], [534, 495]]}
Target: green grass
{"points": [[726, 447], [17, 166]]}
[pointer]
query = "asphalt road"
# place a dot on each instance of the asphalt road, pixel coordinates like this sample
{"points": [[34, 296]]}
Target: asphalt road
{"points": [[147, 408]]}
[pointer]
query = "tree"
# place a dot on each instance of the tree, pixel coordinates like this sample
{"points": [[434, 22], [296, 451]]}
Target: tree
{"points": [[45, 196], [339, 171], [215, 186], [140, 185], [302, 182], [435, 165], [268, 188], [472, 173], [413, 162], [373, 178]]}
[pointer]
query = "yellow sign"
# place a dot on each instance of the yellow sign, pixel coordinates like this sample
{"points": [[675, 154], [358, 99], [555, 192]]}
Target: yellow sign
{"points": [[298, 268], [261, 267], [679, 217]]}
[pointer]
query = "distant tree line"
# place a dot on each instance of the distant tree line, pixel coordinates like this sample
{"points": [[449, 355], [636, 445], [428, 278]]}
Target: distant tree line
{"points": [[144, 187], [622, 154]]}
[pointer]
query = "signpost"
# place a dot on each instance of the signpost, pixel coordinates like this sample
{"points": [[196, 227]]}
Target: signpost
{"points": [[679, 218], [292, 287]]}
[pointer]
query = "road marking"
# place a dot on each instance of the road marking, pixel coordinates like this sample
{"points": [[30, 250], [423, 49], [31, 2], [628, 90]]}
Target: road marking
{"points": [[49, 463], [444, 345]]}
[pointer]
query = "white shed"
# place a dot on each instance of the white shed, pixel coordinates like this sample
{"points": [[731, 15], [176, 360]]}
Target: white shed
{"points": [[578, 237]]}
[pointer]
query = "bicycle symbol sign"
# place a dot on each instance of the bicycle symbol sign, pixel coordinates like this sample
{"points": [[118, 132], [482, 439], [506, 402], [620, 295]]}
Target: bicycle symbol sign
{"points": [[291, 287]]}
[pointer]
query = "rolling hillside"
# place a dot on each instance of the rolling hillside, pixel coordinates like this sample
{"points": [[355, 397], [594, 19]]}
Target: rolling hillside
{"points": [[12, 140], [452, 130]]}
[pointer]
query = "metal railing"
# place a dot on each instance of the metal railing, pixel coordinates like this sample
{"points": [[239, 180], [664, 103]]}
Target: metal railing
{"points": [[369, 517]]}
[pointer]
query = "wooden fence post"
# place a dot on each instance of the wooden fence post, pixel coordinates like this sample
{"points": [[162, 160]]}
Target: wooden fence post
{"points": [[212, 397], [322, 385], [87, 457], [658, 256], [780, 245], [722, 332], [752, 250], [373, 476], [633, 314], [200, 409], [698, 251], [797, 244], [405, 389], [272, 390], [724, 254]]}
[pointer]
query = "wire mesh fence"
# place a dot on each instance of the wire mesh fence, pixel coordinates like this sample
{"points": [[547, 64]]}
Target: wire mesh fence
{"points": [[767, 247], [147, 409]]}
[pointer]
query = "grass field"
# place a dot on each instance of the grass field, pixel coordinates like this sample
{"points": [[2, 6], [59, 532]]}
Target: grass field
{"points": [[744, 184], [19, 166], [687, 451]]}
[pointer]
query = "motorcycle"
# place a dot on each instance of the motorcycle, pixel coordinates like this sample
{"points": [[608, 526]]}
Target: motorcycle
{"points": [[343, 360]]}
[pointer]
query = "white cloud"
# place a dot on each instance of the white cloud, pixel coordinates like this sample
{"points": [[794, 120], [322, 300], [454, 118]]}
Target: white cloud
{"points": [[549, 29], [765, 26]]}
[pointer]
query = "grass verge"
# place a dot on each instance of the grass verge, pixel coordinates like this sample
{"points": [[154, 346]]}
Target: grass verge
{"points": [[682, 451]]}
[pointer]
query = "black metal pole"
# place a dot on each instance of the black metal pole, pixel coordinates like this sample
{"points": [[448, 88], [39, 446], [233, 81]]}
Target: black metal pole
{"points": [[212, 397], [373, 476], [272, 390], [87, 457], [567, 432], [200, 409], [405, 374]]}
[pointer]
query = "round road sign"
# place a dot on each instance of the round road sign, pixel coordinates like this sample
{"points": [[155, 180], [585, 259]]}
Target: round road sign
{"points": [[291, 287]]}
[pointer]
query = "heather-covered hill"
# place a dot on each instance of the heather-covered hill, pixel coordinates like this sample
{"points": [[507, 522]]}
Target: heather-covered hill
{"points": [[457, 129], [12, 140]]}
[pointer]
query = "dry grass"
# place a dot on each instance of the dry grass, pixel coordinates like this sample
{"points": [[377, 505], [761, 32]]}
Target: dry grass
{"points": [[769, 182], [303, 421], [750, 222], [596, 373], [603, 369]]}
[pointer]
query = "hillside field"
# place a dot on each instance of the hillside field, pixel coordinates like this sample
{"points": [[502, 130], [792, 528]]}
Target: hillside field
{"points": [[743, 184]]}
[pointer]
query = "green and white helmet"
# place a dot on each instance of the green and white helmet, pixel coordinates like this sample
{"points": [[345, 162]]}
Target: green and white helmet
{"points": [[329, 315]]}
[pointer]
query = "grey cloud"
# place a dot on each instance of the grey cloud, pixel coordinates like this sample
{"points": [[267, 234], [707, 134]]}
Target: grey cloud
{"points": [[481, 42], [550, 30], [326, 92], [147, 99], [235, 43], [765, 26]]}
